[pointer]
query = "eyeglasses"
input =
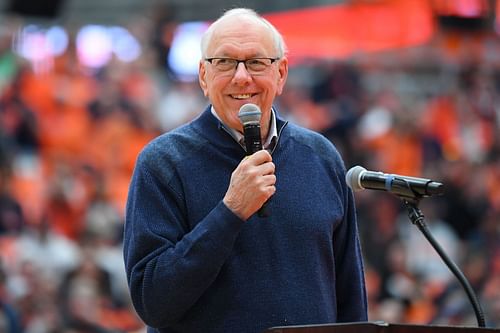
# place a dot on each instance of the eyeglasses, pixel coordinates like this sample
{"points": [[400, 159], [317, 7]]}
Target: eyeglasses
{"points": [[254, 66]]}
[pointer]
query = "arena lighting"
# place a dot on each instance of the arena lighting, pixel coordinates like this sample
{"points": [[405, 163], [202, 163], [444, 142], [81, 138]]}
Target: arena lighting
{"points": [[125, 46], [94, 47], [185, 52], [97, 44], [36, 43], [58, 40]]}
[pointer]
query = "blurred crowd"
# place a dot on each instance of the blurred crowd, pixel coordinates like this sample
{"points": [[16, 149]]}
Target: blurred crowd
{"points": [[69, 138]]}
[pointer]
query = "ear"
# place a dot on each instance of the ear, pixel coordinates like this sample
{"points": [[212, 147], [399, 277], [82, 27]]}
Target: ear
{"points": [[283, 74], [202, 77]]}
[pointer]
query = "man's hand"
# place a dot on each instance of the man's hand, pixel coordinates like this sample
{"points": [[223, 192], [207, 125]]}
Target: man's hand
{"points": [[252, 184]]}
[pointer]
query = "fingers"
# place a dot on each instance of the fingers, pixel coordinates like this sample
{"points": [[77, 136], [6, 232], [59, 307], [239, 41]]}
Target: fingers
{"points": [[260, 163], [259, 157], [268, 185], [252, 184]]}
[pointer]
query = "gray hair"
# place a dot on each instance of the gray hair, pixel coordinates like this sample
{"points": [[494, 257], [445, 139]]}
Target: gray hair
{"points": [[279, 42]]}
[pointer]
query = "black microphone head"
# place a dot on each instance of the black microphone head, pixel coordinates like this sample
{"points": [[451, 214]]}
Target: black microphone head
{"points": [[249, 114], [353, 178]]}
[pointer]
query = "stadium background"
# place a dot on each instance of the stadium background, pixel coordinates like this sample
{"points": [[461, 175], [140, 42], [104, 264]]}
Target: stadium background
{"points": [[409, 87]]}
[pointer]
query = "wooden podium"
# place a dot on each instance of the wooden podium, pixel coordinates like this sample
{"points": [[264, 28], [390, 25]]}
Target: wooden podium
{"points": [[377, 327]]}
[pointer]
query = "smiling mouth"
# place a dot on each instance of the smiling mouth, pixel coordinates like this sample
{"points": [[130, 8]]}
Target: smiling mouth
{"points": [[242, 96]]}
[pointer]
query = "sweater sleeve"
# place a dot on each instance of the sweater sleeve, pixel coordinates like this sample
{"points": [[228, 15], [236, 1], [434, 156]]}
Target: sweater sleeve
{"points": [[168, 266]]}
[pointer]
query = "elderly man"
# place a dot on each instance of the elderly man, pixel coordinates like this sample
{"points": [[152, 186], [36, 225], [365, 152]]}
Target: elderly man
{"points": [[198, 257]]}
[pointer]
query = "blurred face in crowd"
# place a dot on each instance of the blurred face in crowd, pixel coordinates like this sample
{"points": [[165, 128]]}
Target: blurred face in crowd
{"points": [[257, 82]]}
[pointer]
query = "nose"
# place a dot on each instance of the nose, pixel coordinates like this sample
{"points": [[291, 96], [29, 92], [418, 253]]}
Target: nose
{"points": [[241, 74]]}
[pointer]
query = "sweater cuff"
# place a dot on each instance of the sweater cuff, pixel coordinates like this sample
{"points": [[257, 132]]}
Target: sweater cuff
{"points": [[228, 215], [224, 223]]}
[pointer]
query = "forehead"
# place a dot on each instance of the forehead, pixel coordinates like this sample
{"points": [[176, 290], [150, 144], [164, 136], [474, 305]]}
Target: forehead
{"points": [[241, 35]]}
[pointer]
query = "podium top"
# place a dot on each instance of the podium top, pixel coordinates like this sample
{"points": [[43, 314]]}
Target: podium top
{"points": [[377, 327]]}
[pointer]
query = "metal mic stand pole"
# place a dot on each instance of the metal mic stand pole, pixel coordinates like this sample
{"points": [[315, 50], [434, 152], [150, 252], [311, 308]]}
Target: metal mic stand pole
{"points": [[417, 218]]}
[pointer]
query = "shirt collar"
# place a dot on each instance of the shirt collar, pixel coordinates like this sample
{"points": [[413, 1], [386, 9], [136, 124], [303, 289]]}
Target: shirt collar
{"points": [[271, 138]]}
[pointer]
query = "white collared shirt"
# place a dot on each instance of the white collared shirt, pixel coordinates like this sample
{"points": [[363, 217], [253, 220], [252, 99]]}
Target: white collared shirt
{"points": [[271, 138]]}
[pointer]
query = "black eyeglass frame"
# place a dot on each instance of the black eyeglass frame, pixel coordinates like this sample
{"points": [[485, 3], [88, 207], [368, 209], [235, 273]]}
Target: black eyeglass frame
{"points": [[210, 60]]}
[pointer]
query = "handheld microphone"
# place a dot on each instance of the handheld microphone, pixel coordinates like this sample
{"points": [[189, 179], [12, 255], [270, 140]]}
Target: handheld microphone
{"points": [[250, 119], [249, 115], [358, 178]]}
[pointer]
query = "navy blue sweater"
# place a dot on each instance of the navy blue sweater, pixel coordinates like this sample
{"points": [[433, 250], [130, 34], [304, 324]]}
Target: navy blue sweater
{"points": [[194, 266]]}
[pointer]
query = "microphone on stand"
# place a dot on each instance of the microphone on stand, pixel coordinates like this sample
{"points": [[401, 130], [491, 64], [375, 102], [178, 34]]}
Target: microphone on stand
{"points": [[411, 190], [358, 178]]}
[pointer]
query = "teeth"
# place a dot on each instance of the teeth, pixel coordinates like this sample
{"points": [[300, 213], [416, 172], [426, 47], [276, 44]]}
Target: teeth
{"points": [[242, 96]]}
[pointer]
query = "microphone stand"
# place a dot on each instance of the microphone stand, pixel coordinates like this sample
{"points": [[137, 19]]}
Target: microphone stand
{"points": [[417, 218]]}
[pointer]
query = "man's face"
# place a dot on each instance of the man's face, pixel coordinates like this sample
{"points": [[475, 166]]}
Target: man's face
{"points": [[242, 38]]}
